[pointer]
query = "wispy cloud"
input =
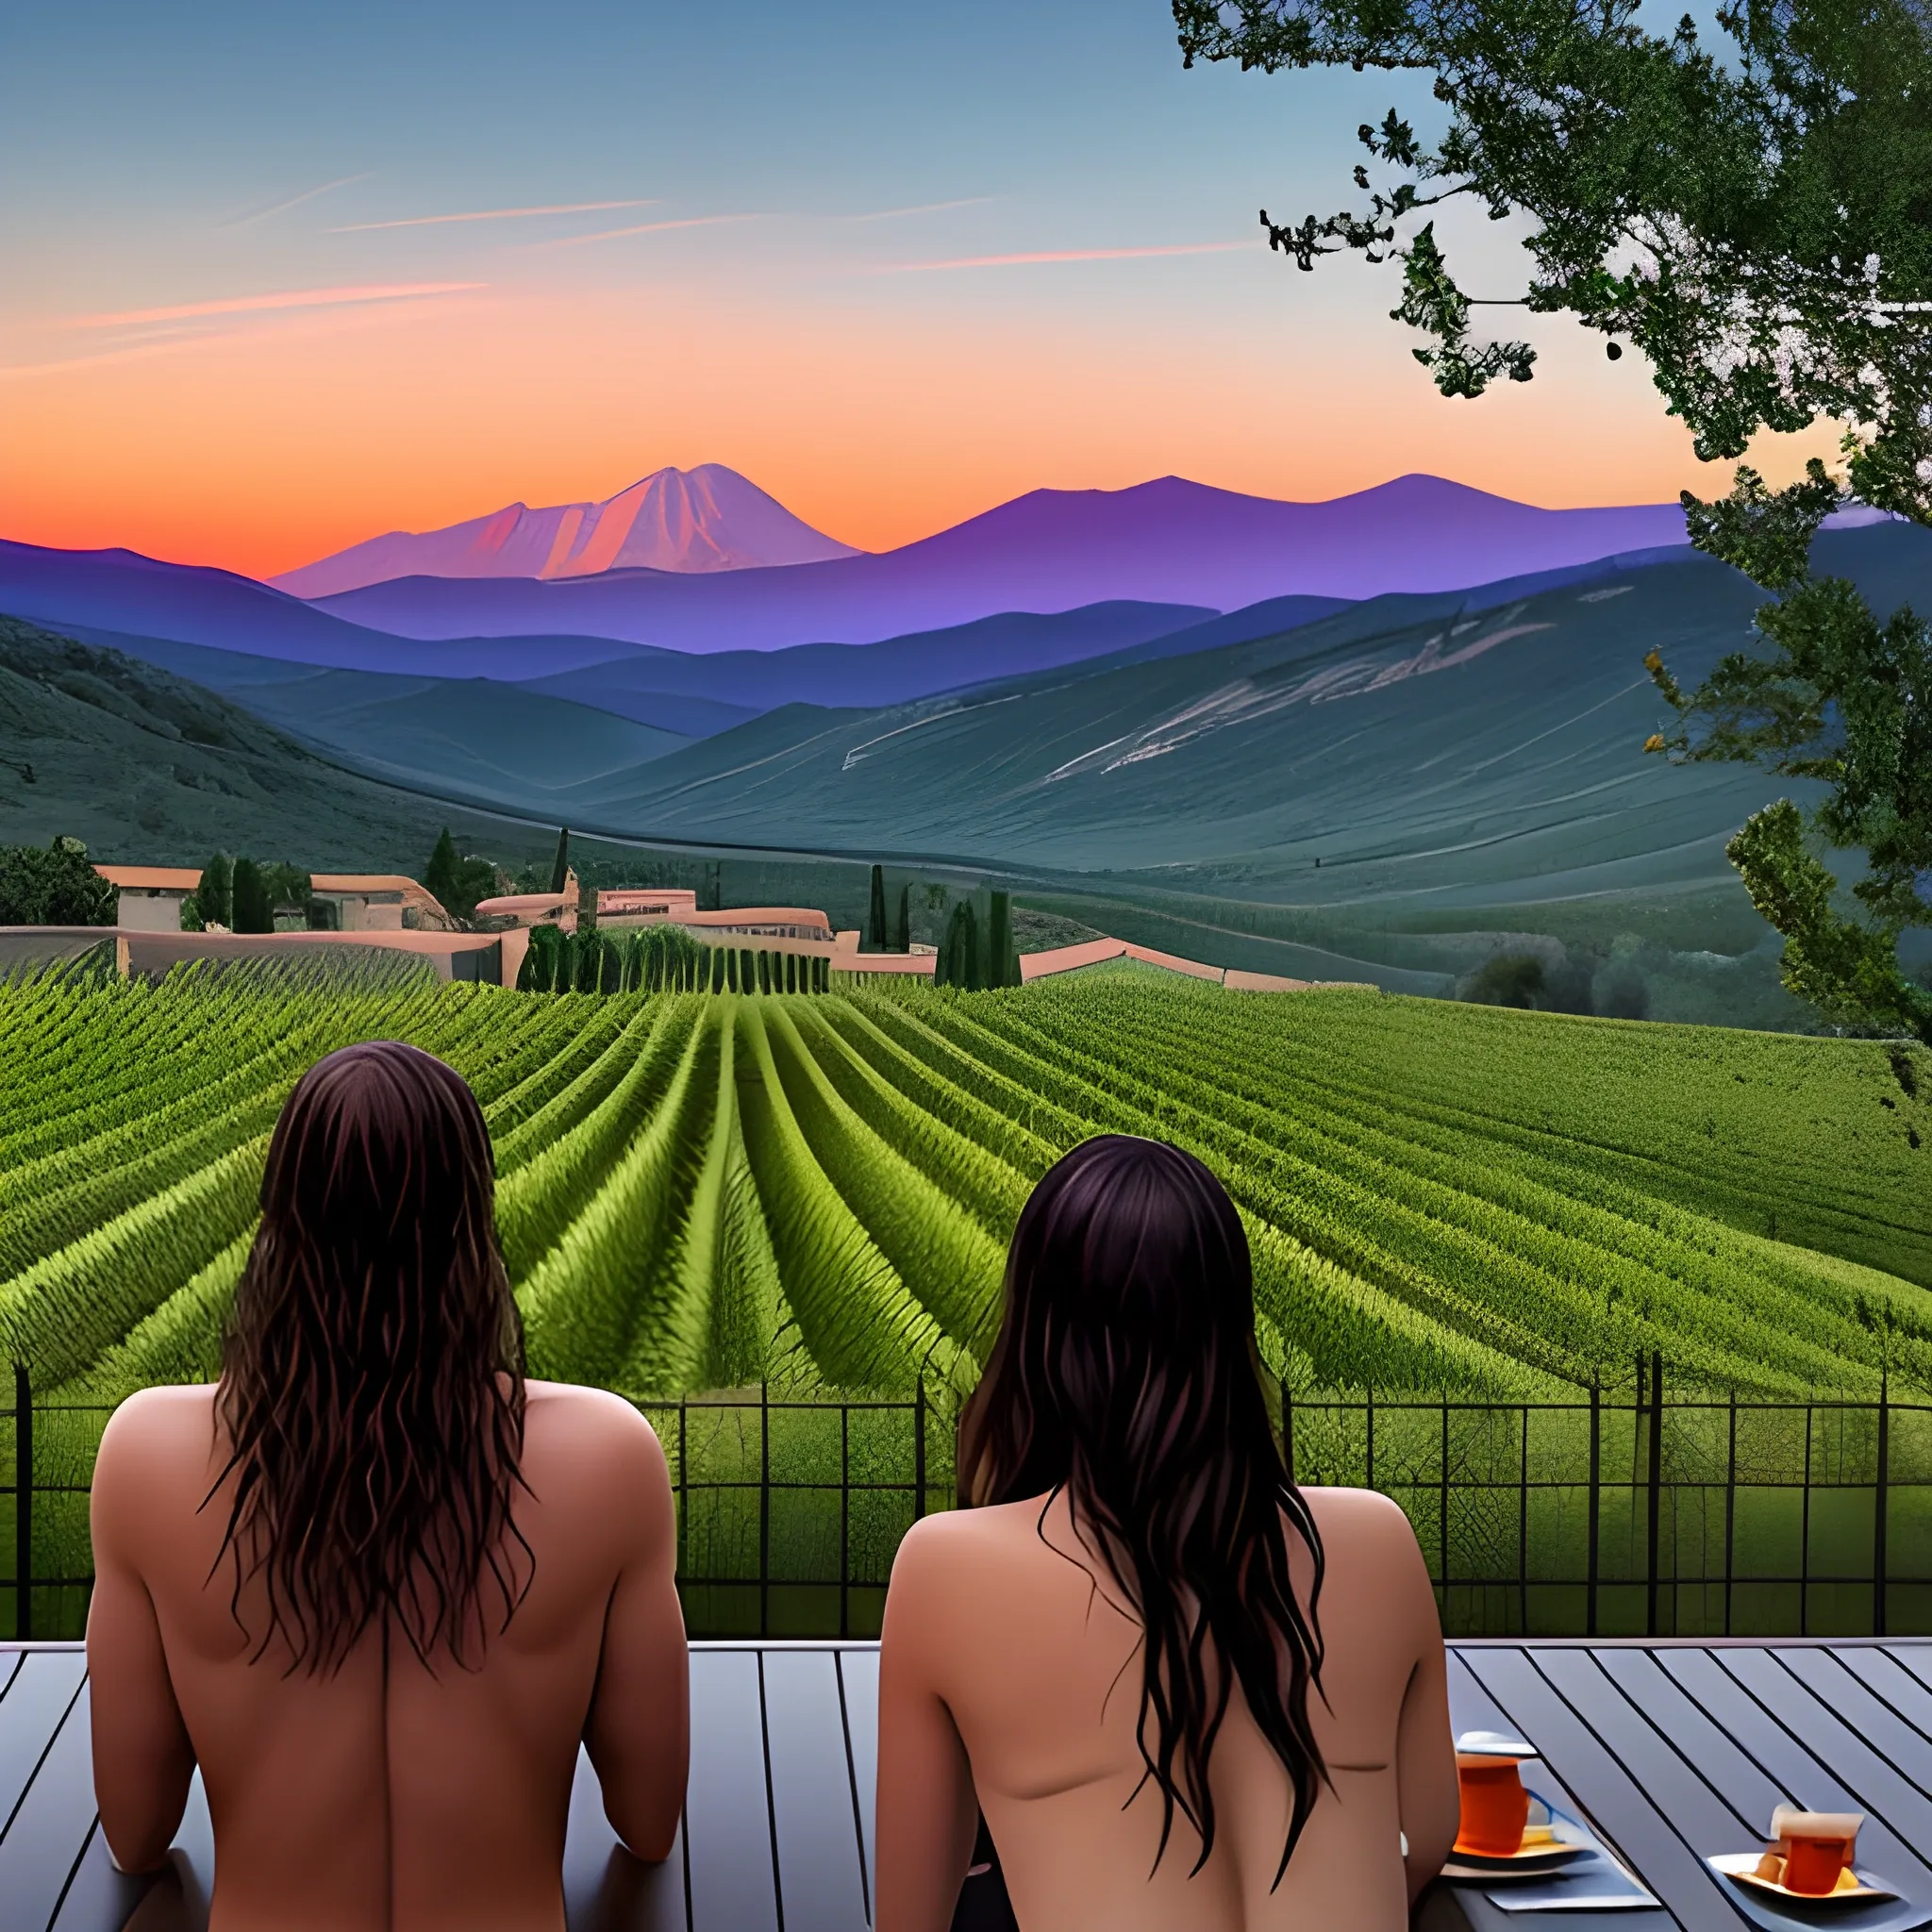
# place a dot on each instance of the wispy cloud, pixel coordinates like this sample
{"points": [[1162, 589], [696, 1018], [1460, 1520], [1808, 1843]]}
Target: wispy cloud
{"points": [[924, 207], [906, 268], [276, 208], [492, 214], [291, 298], [644, 228]]}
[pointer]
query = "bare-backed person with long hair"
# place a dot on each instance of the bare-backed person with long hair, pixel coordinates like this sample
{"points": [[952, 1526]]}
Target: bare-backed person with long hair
{"points": [[376, 1583], [1183, 1692]]}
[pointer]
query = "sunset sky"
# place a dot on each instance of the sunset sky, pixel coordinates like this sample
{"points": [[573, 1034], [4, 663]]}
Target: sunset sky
{"points": [[280, 277]]}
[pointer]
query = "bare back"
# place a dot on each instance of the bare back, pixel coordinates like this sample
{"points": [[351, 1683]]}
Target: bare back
{"points": [[390, 1794], [1009, 1676]]}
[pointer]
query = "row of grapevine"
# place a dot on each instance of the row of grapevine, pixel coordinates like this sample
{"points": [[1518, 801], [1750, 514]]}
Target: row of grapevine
{"points": [[661, 958], [697, 1190]]}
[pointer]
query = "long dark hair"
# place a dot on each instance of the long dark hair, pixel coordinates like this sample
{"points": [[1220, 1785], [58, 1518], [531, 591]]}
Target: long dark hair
{"points": [[1124, 1374], [372, 1382]]}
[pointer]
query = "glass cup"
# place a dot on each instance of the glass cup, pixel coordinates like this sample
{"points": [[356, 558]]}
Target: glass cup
{"points": [[1495, 1806], [1817, 1846]]}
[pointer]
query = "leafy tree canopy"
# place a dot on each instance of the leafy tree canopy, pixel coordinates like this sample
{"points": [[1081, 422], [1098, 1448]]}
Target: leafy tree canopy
{"points": [[52, 885], [1760, 227]]}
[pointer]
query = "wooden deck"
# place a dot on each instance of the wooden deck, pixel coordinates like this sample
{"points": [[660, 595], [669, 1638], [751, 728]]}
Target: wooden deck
{"points": [[1667, 1751]]}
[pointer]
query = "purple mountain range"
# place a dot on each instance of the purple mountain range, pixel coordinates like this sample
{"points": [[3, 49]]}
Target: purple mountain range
{"points": [[1169, 541], [706, 519]]}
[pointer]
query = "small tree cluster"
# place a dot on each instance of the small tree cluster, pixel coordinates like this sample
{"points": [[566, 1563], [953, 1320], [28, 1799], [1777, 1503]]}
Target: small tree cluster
{"points": [[459, 881], [52, 885], [979, 950]]}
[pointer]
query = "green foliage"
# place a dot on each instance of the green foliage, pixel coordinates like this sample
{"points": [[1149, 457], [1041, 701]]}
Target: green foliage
{"points": [[455, 882], [1754, 225], [214, 895], [249, 903], [695, 1190], [875, 935], [979, 950], [52, 885], [1757, 225], [1836, 697]]}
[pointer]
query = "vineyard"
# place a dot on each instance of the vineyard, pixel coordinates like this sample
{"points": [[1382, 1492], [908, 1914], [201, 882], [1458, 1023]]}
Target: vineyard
{"points": [[700, 1192], [808, 1196]]}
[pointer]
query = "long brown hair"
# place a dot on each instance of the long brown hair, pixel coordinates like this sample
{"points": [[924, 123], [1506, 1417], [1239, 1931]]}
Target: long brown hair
{"points": [[371, 1386], [1124, 1374]]}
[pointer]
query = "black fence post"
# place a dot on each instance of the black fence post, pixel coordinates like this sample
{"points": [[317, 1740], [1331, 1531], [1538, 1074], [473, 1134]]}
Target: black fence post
{"points": [[1731, 1510], [1287, 1428], [1655, 1472], [1368, 1469], [683, 1487], [764, 1508], [1881, 1503], [844, 1519], [919, 1449], [1442, 1514], [1804, 1537], [1523, 1531], [23, 1503], [1595, 1501]]}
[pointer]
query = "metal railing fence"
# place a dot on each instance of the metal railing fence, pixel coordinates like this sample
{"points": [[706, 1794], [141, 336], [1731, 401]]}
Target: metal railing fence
{"points": [[1625, 1512]]}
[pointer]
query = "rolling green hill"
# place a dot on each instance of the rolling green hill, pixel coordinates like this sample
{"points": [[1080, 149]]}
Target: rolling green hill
{"points": [[146, 767]]}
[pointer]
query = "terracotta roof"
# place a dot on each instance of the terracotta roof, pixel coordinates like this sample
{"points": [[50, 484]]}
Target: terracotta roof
{"points": [[733, 916], [173, 878], [523, 901], [635, 898]]}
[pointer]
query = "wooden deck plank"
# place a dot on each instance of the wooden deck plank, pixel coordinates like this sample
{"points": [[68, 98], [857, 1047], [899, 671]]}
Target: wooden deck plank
{"points": [[1447, 1907], [605, 1888], [1676, 1784], [859, 1683], [1804, 1776], [1800, 1775], [38, 1697], [1885, 1676], [1614, 1801], [1878, 1789], [822, 1884], [50, 1825], [726, 1815], [100, 1898], [1752, 1789], [1899, 1743]]}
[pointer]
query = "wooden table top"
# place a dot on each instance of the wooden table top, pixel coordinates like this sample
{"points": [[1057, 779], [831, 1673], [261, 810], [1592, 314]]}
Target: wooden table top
{"points": [[1670, 1750]]}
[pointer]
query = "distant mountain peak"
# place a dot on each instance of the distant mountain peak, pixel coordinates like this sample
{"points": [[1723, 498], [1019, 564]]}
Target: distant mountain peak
{"points": [[680, 520]]}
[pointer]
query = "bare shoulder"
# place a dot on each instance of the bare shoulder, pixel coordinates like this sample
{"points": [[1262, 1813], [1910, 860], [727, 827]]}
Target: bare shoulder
{"points": [[1360, 1513], [159, 1424], [153, 1466], [1359, 1520], [592, 1431]]}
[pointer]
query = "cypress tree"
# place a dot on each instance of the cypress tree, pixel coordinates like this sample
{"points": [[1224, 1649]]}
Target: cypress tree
{"points": [[442, 876], [249, 901], [905, 935], [1003, 952], [876, 937], [559, 868], [959, 961], [212, 893]]}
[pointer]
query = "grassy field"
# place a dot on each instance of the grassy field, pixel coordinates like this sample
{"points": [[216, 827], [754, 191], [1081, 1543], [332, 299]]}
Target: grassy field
{"points": [[813, 1193]]}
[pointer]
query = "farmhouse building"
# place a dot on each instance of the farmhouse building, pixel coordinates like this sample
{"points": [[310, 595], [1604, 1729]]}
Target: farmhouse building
{"points": [[148, 897], [378, 902]]}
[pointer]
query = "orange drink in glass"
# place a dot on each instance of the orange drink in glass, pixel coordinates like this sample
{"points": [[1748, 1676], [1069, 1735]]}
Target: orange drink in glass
{"points": [[1817, 1846], [1495, 1806]]}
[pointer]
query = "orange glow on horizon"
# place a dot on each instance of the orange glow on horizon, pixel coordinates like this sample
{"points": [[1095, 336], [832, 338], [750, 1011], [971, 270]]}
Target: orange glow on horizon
{"points": [[286, 437]]}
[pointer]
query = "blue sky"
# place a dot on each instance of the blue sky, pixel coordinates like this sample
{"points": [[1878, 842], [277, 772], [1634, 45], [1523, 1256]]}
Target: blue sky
{"points": [[781, 296]]}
